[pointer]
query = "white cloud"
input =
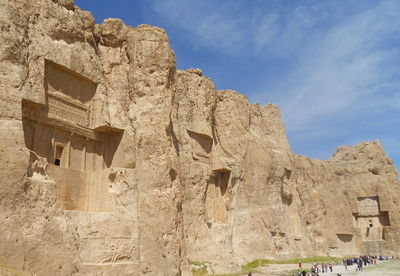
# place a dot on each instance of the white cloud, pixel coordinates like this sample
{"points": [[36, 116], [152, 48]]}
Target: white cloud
{"points": [[204, 23], [338, 61], [340, 70], [233, 26]]}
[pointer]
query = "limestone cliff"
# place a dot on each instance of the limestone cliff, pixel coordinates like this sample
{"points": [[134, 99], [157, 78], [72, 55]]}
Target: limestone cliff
{"points": [[112, 162]]}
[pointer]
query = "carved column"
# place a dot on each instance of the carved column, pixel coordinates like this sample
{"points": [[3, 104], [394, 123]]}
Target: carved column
{"points": [[69, 153], [84, 156]]}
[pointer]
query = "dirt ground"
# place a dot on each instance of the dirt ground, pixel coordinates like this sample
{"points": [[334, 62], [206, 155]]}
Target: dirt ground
{"points": [[384, 268]]}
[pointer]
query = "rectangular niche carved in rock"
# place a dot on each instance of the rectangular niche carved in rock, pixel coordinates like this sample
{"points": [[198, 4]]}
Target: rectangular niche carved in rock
{"points": [[286, 192], [345, 238], [61, 132], [345, 243], [201, 146], [370, 219], [216, 197]]}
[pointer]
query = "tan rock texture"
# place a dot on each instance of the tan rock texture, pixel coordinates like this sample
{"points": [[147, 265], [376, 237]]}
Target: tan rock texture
{"points": [[112, 162]]}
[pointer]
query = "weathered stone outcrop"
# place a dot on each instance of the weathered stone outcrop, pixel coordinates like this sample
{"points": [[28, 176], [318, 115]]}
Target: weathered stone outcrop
{"points": [[112, 162]]}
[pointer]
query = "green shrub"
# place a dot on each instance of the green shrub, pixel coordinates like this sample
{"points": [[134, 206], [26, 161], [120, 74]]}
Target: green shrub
{"points": [[254, 264], [130, 165], [201, 271]]}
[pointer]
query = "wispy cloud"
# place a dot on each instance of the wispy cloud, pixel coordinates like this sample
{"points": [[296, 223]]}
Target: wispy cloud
{"points": [[231, 27], [333, 63], [204, 23], [343, 68]]}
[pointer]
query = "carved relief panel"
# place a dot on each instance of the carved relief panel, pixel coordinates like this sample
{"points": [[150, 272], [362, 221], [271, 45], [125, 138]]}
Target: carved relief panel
{"points": [[368, 206], [68, 94]]}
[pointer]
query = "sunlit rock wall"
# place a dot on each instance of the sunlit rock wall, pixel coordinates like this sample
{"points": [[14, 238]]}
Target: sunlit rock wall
{"points": [[112, 162]]}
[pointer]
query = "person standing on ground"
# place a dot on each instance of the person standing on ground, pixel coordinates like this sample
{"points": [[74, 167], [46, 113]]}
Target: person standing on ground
{"points": [[359, 264], [330, 267]]}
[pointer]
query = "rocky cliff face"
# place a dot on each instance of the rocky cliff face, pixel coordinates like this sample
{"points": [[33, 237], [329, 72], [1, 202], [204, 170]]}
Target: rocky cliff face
{"points": [[112, 162]]}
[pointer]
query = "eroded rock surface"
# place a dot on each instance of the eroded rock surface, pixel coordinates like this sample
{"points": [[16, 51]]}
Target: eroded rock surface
{"points": [[112, 162]]}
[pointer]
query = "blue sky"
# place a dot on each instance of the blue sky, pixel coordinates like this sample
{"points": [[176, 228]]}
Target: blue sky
{"points": [[333, 67]]}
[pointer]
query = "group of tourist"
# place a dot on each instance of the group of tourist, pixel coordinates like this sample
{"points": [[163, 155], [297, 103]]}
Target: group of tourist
{"points": [[360, 261], [364, 261], [316, 269]]}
